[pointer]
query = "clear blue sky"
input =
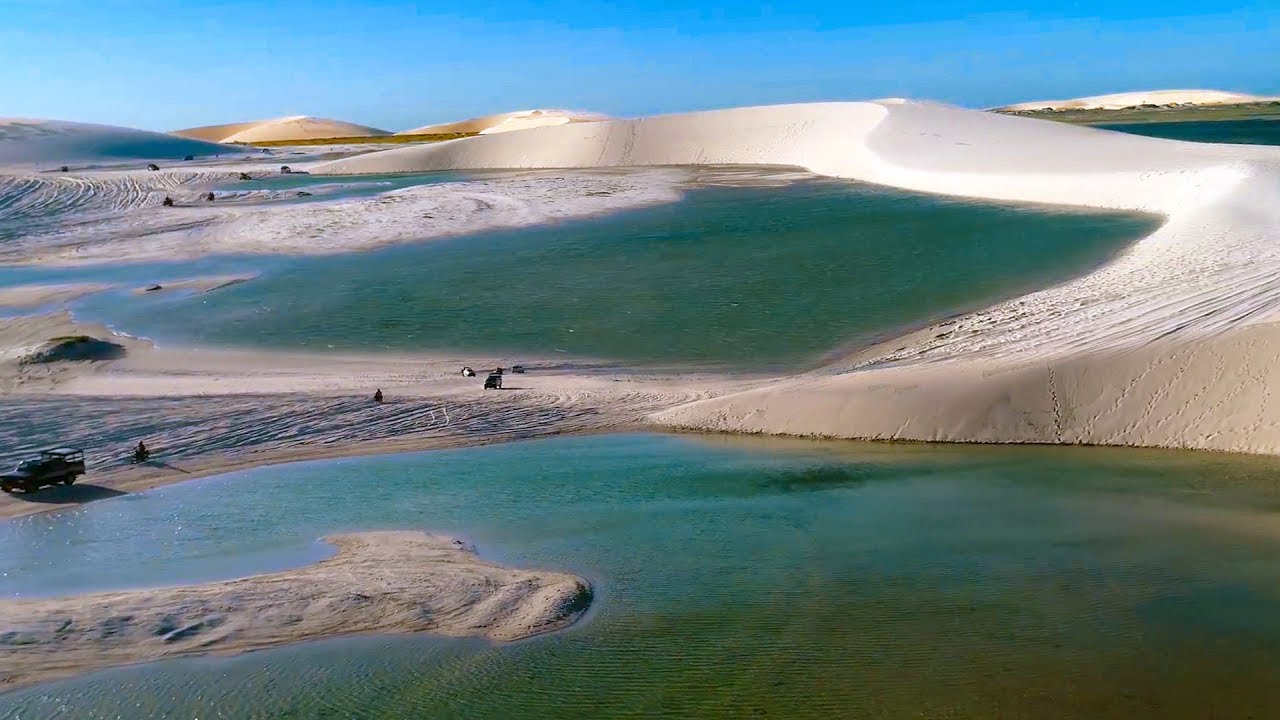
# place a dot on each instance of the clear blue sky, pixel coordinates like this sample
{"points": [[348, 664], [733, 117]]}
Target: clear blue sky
{"points": [[176, 63]]}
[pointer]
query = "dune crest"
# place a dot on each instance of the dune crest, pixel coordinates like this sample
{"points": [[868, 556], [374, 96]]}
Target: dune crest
{"points": [[506, 122], [1119, 101], [294, 127]]}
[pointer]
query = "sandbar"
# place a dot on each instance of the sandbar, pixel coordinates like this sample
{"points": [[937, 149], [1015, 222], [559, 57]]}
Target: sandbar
{"points": [[30, 296], [378, 582]]}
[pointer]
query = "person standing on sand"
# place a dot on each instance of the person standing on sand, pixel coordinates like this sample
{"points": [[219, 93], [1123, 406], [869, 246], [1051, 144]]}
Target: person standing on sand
{"points": [[377, 396]]}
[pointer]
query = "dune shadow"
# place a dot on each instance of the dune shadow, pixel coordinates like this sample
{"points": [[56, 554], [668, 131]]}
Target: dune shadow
{"points": [[75, 348], [818, 478], [167, 466], [69, 494]]}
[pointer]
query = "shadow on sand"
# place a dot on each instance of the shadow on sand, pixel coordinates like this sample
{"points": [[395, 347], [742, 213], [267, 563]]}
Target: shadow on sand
{"points": [[69, 494], [167, 466]]}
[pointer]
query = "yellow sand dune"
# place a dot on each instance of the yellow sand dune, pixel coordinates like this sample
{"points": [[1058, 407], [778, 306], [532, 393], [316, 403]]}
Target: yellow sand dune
{"points": [[296, 127]]}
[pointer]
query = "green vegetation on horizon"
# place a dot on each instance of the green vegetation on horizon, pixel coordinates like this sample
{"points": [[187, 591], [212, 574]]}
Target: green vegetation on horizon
{"points": [[377, 139], [1152, 114]]}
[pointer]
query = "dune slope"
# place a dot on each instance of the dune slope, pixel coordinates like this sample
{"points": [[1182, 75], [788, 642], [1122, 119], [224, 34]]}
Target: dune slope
{"points": [[506, 122], [58, 142]]}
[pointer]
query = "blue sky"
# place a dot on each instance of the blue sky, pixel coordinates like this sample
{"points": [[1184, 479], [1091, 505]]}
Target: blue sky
{"points": [[177, 63]]}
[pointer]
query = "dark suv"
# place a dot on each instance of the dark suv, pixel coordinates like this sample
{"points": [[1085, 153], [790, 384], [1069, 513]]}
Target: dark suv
{"points": [[50, 467]]}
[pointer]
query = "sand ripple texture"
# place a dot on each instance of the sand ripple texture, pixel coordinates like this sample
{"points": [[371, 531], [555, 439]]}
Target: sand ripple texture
{"points": [[379, 582], [204, 412], [119, 216], [191, 428]]}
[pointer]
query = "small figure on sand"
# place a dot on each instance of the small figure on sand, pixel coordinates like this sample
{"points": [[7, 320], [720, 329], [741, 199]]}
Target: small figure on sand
{"points": [[209, 197], [141, 454], [246, 176], [377, 396], [168, 201]]}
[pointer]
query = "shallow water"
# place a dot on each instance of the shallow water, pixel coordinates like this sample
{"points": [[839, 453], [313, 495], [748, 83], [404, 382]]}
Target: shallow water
{"points": [[336, 186], [746, 277], [736, 578], [1254, 131]]}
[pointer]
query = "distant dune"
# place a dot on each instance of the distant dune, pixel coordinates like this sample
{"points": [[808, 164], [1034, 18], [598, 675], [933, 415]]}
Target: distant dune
{"points": [[216, 133], [57, 142], [297, 127], [506, 122], [1119, 101]]}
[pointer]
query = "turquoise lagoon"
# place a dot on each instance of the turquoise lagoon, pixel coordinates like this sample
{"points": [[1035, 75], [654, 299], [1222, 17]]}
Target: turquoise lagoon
{"points": [[733, 277], [736, 578]]}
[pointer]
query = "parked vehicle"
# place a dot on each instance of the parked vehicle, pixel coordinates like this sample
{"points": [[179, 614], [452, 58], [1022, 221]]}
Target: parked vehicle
{"points": [[50, 467], [493, 382]]}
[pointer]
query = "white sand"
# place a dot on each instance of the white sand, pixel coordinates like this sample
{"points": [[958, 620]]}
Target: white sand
{"points": [[49, 144], [1208, 272], [1214, 393], [32, 296], [117, 216], [294, 127], [379, 582], [206, 412], [506, 122], [1120, 101]]}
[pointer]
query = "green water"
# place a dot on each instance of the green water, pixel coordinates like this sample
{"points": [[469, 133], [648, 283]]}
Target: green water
{"points": [[730, 276], [352, 186], [1252, 131], [735, 578]]}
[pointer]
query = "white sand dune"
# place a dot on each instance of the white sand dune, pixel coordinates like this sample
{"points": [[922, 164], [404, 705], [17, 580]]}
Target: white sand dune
{"points": [[51, 143], [295, 127], [1207, 274], [1119, 101], [506, 122]]}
